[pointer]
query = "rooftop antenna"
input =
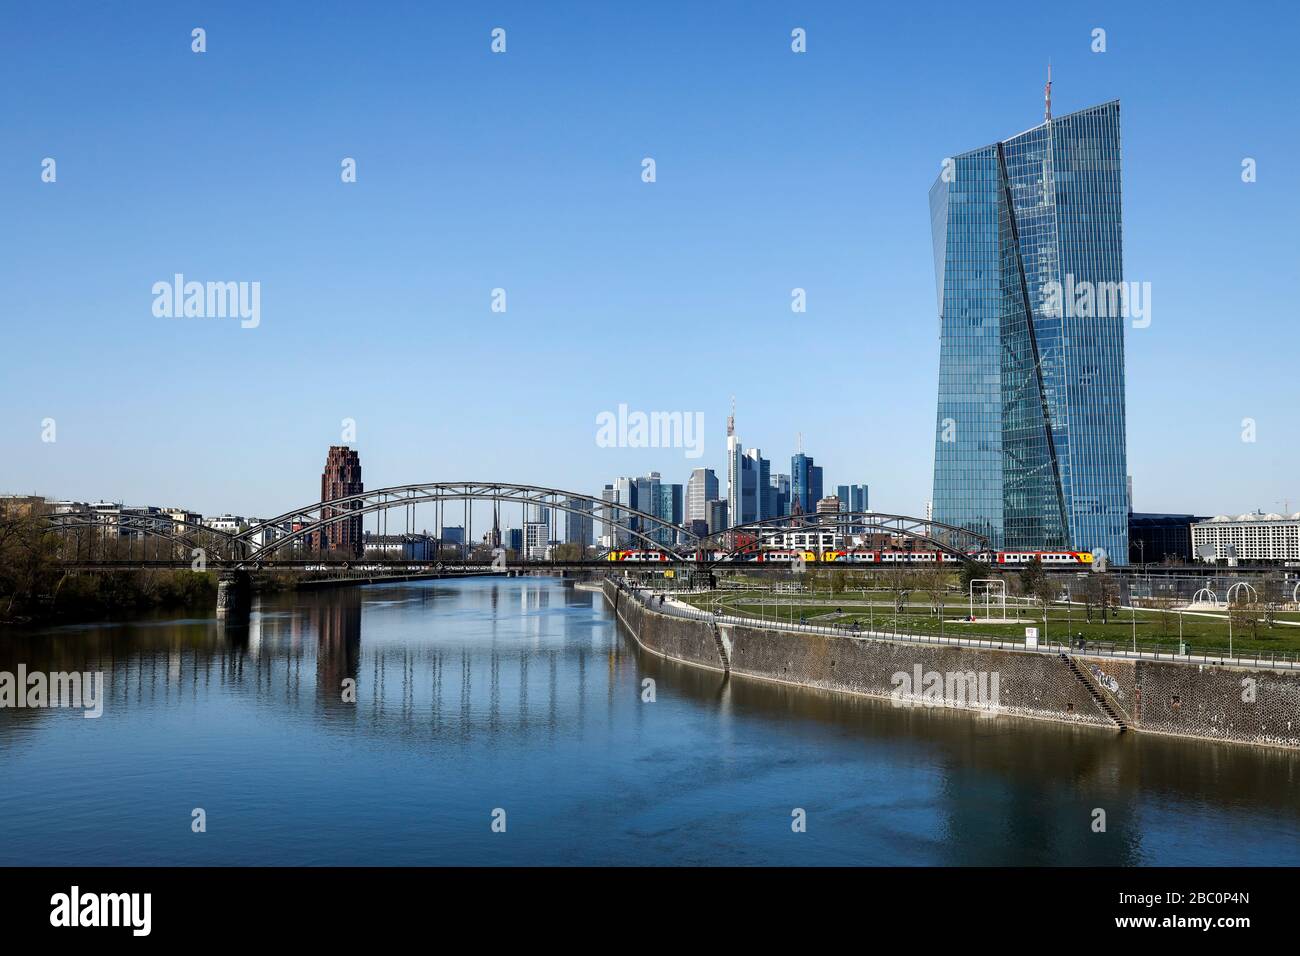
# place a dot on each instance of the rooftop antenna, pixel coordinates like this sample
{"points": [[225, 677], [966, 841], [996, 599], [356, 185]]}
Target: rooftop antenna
{"points": [[731, 419], [799, 442], [1047, 95]]}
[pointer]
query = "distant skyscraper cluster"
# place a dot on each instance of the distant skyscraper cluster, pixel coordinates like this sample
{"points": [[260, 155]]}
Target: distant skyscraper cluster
{"points": [[706, 505]]}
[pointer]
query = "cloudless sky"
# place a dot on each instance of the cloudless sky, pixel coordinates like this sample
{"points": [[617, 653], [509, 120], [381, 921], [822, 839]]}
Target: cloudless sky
{"points": [[523, 171]]}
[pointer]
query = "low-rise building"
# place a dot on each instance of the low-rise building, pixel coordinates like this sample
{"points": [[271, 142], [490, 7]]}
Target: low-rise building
{"points": [[1248, 537]]}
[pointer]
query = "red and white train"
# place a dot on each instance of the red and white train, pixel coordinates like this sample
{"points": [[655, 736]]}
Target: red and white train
{"points": [[1051, 559]]}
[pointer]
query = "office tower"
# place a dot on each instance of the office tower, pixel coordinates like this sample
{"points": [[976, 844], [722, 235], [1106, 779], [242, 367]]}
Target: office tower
{"points": [[805, 484], [759, 483], [536, 541], [341, 477], [852, 497], [578, 526], [625, 495], [669, 509], [781, 495], [1030, 430], [647, 501], [735, 468], [750, 496], [717, 516], [700, 490]]}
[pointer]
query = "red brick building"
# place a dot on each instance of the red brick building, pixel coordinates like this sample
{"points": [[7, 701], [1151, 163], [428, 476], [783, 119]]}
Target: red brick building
{"points": [[342, 477]]}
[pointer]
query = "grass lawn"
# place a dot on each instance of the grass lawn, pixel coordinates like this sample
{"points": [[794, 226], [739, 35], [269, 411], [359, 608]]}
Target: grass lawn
{"points": [[1200, 633]]}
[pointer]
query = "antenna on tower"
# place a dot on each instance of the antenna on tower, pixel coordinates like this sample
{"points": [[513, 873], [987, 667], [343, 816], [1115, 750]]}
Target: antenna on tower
{"points": [[731, 419], [799, 442], [1047, 95]]}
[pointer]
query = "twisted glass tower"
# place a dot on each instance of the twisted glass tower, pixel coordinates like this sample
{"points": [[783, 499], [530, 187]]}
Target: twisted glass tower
{"points": [[1030, 441]]}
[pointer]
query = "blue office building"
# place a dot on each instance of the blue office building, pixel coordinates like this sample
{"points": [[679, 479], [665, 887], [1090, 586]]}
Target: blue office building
{"points": [[1030, 427], [805, 484]]}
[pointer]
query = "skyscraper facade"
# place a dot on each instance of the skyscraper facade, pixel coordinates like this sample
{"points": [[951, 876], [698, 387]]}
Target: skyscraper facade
{"points": [[701, 488], [341, 477], [578, 522], [805, 483], [1030, 428], [852, 497], [781, 486]]}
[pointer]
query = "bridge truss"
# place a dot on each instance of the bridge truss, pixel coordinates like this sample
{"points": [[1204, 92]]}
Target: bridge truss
{"points": [[302, 530]]}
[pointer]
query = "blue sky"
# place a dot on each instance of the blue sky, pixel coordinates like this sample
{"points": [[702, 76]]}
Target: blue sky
{"points": [[523, 171]]}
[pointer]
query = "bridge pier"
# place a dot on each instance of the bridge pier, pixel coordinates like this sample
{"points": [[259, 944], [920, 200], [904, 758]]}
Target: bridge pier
{"points": [[234, 594]]}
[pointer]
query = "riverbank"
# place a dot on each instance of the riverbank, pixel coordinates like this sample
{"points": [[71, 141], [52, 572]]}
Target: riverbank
{"points": [[90, 596], [1250, 705]]}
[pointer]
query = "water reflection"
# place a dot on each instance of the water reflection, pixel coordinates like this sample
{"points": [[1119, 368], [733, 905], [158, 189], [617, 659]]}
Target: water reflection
{"points": [[526, 686]]}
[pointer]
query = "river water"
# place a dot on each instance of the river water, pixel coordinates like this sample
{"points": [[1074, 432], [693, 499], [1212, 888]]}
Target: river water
{"points": [[521, 701]]}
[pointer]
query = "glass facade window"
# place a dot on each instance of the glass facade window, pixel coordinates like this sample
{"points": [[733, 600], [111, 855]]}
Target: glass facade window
{"points": [[1030, 444]]}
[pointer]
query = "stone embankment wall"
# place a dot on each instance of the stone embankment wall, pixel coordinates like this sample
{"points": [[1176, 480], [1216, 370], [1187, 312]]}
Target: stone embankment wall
{"points": [[1219, 703]]}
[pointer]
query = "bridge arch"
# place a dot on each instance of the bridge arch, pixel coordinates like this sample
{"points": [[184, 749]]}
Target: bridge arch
{"points": [[151, 526], [346, 508]]}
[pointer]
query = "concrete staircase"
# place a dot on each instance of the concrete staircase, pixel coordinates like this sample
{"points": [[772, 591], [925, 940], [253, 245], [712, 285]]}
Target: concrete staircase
{"points": [[1086, 680], [722, 649]]}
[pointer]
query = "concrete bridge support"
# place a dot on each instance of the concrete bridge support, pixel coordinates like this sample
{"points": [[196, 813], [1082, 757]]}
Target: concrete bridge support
{"points": [[234, 594]]}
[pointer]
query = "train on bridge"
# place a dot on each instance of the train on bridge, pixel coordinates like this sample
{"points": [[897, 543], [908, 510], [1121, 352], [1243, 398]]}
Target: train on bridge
{"points": [[1052, 559]]}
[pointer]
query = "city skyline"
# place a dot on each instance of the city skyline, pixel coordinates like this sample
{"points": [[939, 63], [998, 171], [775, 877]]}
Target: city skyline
{"points": [[230, 436]]}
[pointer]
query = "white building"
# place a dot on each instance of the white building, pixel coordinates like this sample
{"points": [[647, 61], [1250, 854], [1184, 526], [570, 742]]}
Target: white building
{"points": [[536, 547], [1250, 537], [229, 523]]}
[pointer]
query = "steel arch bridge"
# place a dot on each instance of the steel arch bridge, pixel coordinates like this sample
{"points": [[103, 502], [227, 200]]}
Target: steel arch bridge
{"points": [[650, 529], [753, 535], [215, 543], [261, 542]]}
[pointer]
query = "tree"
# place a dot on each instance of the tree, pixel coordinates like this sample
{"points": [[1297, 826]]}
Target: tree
{"points": [[934, 582], [569, 551], [1032, 577], [900, 581], [973, 571]]}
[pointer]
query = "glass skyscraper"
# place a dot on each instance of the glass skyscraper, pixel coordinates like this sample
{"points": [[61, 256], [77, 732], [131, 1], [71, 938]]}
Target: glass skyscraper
{"points": [[1030, 432]]}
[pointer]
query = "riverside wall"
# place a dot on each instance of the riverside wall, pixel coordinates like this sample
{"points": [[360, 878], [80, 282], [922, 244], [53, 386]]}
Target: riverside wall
{"points": [[1187, 700]]}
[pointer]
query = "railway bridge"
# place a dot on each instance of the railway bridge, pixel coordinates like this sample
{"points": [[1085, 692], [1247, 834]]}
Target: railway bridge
{"points": [[295, 539]]}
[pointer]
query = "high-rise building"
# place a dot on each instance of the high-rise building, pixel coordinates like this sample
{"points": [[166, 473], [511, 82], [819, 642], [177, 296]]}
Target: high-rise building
{"points": [[735, 468], [700, 490], [578, 526], [669, 509], [764, 495], [341, 477], [852, 497], [1030, 430], [536, 541], [750, 495], [781, 495], [717, 516], [805, 483]]}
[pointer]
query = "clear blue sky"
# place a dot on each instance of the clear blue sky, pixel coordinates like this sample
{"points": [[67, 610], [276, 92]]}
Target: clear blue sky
{"points": [[522, 171]]}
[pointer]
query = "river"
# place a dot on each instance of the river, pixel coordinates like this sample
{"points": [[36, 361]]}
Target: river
{"points": [[520, 701]]}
